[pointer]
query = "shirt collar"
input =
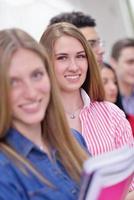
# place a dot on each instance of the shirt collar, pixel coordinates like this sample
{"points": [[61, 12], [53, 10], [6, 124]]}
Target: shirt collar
{"points": [[85, 98], [20, 143]]}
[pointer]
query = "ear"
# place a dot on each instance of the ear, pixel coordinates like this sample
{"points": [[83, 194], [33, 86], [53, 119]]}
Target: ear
{"points": [[113, 63]]}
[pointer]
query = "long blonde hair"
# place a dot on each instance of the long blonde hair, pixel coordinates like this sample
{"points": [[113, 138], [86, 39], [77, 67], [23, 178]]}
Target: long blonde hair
{"points": [[93, 83], [56, 131]]}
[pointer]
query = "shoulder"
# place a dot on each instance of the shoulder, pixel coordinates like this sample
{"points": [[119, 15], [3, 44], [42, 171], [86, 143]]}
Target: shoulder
{"points": [[8, 167], [9, 185], [6, 171], [4, 160], [112, 114], [107, 107], [104, 114]]}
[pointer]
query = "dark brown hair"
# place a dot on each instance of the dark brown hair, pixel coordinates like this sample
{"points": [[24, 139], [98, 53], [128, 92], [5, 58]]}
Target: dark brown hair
{"points": [[120, 45]]}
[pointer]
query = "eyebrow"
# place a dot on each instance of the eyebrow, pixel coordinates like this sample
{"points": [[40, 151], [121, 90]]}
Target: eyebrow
{"points": [[34, 70], [81, 52], [94, 40], [130, 59], [67, 53], [63, 54]]}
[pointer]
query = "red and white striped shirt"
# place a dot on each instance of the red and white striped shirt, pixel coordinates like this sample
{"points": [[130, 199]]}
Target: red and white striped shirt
{"points": [[104, 126]]}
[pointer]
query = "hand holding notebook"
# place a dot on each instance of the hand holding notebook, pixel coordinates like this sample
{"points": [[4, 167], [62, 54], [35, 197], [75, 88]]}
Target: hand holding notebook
{"points": [[108, 176]]}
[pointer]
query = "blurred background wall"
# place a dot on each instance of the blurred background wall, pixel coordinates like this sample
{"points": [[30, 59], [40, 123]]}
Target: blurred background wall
{"points": [[114, 17]]}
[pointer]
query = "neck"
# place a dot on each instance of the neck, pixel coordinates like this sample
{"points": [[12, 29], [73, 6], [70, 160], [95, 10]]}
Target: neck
{"points": [[32, 132], [71, 101], [73, 104], [125, 89]]}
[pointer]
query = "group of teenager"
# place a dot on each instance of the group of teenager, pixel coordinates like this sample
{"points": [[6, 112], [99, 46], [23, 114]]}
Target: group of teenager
{"points": [[53, 111]]}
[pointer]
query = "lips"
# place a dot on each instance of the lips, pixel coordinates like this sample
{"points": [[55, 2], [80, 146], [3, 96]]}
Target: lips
{"points": [[31, 107], [113, 95], [72, 77], [100, 61]]}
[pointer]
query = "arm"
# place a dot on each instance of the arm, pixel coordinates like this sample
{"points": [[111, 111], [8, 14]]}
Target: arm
{"points": [[123, 132], [10, 186], [8, 191], [130, 196]]}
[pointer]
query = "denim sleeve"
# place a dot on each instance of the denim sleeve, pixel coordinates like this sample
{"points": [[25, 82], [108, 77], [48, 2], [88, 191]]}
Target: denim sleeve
{"points": [[8, 192], [10, 189], [80, 139]]}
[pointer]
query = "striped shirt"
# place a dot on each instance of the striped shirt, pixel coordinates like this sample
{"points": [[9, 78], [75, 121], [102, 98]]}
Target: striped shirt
{"points": [[104, 126]]}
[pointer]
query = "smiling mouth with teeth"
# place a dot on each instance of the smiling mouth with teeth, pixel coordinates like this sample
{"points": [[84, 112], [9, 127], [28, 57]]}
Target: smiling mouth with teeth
{"points": [[72, 76], [31, 107]]}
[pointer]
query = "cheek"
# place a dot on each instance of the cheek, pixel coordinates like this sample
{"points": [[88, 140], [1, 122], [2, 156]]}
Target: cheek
{"points": [[122, 69], [106, 89], [45, 86], [127, 71], [60, 66], [15, 96], [59, 69], [116, 89]]}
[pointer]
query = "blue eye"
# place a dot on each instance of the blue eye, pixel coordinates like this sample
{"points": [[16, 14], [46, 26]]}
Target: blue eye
{"points": [[61, 58], [14, 82], [81, 56], [37, 75]]}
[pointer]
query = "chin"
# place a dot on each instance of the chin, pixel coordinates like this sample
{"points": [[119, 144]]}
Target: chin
{"points": [[113, 100], [33, 121], [30, 119], [36, 118]]}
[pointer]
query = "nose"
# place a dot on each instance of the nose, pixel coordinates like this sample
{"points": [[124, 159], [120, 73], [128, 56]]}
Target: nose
{"points": [[73, 64], [101, 50], [29, 90]]}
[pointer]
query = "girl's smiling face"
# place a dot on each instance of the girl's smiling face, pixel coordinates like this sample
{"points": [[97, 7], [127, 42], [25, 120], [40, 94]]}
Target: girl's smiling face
{"points": [[70, 63], [30, 88]]}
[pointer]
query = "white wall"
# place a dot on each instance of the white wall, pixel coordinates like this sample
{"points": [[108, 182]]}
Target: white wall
{"points": [[32, 17], [112, 19]]}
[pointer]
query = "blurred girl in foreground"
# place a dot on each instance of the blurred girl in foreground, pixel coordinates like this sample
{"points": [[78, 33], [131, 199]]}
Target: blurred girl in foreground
{"points": [[39, 157]]}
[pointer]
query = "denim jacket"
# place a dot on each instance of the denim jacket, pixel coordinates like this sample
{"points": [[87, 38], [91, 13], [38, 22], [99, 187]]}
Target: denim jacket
{"points": [[16, 185]]}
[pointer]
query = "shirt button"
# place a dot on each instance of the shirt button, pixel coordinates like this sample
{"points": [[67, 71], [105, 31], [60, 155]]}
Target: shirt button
{"points": [[74, 192], [56, 172]]}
